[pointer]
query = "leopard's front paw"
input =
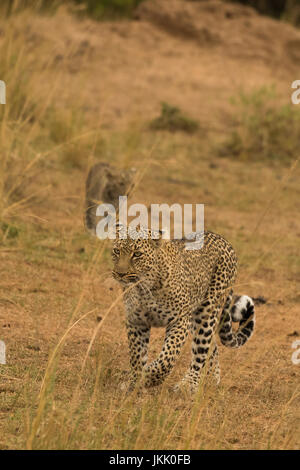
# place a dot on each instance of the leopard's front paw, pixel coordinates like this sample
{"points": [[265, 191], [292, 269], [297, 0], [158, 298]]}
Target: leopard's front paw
{"points": [[127, 387], [186, 386], [151, 376], [131, 382]]}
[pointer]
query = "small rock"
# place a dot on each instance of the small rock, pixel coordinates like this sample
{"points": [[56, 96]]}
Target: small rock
{"points": [[33, 347]]}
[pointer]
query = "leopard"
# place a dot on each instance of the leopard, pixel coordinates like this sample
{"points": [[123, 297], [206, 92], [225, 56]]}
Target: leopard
{"points": [[166, 284], [104, 183]]}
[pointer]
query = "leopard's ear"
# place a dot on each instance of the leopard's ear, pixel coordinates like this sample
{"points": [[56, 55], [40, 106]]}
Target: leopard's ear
{"points": [[159, 236], [120, 230]]}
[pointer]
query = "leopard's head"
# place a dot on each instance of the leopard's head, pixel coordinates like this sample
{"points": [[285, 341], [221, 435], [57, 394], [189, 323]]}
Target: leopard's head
{"points": [[136, 259]]}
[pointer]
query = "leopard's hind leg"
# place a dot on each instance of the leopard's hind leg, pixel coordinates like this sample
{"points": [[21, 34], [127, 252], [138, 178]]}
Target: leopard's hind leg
{"points": [[204, 325], [205, 320]]}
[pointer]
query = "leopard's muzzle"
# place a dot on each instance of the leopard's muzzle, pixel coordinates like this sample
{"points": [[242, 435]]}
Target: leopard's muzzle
{"points": [[125, 277]]}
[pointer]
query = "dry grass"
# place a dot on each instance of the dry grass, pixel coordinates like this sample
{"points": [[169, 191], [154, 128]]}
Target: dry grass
{"points": [[61, 388]]}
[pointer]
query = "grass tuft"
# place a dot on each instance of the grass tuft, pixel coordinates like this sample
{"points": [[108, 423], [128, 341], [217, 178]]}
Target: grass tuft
{"points": [[172, 119]]}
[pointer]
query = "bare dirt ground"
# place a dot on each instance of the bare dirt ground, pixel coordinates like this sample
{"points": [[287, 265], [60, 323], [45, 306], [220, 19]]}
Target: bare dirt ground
{"points": [[117, 73]]}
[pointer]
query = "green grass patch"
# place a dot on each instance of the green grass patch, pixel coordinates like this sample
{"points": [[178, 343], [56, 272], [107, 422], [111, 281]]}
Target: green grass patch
{"points": [[109, 9], [172, 119], [8, 230], [263, 130]]}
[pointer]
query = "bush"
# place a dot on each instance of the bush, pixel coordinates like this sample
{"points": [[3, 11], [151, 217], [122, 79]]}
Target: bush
{"points": [[109, 9], [288, 10], [96, 9], [172, 119], [263, 130]]}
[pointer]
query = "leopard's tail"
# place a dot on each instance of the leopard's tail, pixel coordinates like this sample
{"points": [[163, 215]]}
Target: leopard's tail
{"points": [[241, 311]]}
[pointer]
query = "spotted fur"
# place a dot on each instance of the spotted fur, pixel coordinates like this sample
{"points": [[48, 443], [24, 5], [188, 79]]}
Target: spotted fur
{"points": [[166, 285]]}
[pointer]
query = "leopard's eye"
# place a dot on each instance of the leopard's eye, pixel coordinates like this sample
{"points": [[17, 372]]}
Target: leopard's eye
{"points": [[116, 251], [137, 254]]}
